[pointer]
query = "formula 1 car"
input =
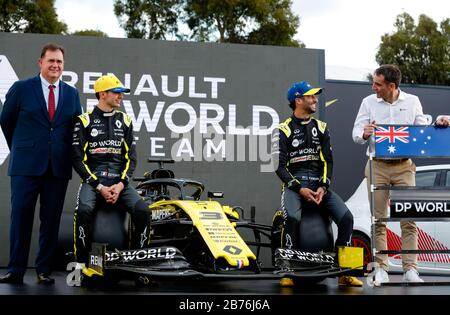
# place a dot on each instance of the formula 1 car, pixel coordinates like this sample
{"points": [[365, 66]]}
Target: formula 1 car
{"points": [[199, 239], [190, 237]]}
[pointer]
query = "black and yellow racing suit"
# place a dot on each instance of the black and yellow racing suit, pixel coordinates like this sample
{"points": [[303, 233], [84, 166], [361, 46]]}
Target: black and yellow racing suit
{"points": [[103, 152], [302, 157]]}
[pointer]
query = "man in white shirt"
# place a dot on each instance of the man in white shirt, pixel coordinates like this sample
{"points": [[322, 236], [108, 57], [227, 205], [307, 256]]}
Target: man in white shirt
{"points": [[390, 105]]}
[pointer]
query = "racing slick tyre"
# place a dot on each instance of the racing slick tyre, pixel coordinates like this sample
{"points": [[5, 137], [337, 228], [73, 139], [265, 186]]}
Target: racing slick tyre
{"points": [[110, 226], [318, 224], [277, 228], [312, 223]]}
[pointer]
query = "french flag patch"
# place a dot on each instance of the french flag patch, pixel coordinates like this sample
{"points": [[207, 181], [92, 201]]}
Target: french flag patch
{"points": [[240, 264]]}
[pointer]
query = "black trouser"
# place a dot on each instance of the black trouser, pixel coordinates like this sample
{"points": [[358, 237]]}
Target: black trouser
{"points": [[25, 191], [85, 211], [332, 204]]}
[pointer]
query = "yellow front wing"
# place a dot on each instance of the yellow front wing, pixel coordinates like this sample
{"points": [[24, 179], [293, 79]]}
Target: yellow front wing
{"points": [[215, 228]]}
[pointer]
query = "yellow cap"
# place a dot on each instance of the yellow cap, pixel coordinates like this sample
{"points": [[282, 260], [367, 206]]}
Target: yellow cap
{"points": [[109, 83]]}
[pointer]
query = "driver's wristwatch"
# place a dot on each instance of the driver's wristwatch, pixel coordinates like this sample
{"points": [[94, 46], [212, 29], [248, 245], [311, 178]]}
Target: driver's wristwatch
{"points": [[99, 188]]}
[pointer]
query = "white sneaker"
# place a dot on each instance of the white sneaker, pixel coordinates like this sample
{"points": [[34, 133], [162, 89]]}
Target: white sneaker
{"points": [[381, 276], [412, 276]]}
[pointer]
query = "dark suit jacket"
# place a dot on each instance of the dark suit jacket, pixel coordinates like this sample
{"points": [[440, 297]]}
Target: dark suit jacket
{"points": [[32, 139]]}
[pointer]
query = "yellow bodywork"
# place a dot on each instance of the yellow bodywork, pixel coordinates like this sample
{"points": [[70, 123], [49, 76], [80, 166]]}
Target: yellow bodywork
{"points": [[351, 257], [210, 219], [228, 210], [90, 272]]}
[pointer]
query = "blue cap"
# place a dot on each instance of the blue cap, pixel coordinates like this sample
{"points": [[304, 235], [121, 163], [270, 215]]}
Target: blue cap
{"points": [[300, 89]]}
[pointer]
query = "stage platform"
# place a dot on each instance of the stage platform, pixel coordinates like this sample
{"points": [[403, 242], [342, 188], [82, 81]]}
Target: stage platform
{"points": [[437, 286]]}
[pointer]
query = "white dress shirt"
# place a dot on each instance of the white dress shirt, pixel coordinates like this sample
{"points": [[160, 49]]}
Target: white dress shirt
{"points": [[406, 110], [46, 90]]}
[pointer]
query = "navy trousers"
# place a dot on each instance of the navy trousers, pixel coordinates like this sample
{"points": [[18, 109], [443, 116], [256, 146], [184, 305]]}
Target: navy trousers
{"points": [[25, 191]]}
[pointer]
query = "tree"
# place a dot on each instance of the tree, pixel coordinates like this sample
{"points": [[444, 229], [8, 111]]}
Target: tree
{"points": [[148, 18], [12, 13], [422, 52], [96, 33], [30, 16], [42, 18], [269, 22], [278, 27]]}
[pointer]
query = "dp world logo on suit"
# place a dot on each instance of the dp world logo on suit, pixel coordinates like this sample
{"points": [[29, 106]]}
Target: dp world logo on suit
{"points": [[7, 77]]}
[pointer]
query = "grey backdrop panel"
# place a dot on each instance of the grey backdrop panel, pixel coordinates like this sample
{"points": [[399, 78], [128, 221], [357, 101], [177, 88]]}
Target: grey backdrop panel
{"points": [[254, 75]]}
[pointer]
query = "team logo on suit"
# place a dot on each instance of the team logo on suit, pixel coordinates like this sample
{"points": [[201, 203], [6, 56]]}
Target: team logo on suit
{"points": [[94, 132]]}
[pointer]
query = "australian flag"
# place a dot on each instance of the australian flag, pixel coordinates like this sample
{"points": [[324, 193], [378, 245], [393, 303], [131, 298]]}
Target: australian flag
{"points": [[396, 141]]}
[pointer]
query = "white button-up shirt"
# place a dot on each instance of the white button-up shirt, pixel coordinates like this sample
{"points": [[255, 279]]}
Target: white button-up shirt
{"points": [[406, 110]]}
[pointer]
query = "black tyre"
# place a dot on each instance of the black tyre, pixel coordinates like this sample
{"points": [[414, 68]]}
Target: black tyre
{"points": [[277, 227]]}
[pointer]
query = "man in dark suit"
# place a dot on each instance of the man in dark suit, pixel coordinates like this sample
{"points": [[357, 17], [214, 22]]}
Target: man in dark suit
{"points": [[37, 121]]}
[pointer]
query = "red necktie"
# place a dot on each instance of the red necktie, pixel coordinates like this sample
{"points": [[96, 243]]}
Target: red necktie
{"points": [[51, 102]]}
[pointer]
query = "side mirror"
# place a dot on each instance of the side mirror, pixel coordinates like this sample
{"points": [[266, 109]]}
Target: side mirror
{"points": [[215, 194]]}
